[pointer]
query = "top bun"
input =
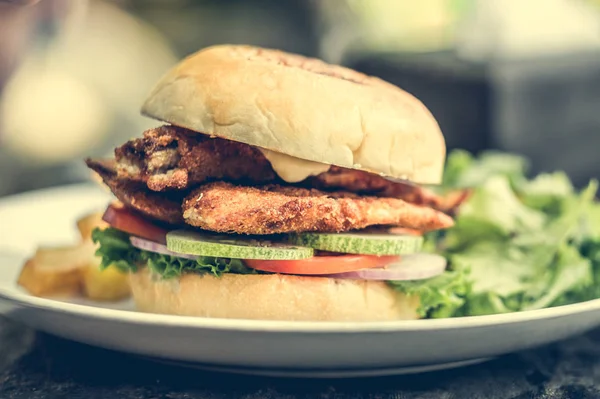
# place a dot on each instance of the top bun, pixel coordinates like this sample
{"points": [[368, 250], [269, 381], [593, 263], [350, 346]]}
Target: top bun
{"points": [[302, 107]]}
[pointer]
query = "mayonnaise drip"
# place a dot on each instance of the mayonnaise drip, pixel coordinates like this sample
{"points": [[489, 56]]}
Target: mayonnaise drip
{"points": [[292, 169]]}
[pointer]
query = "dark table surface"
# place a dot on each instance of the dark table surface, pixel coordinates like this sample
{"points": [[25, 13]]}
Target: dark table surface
{"points": [[36, 366]]}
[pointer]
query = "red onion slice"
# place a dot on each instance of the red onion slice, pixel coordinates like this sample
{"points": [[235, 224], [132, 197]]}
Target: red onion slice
{"points": [[155, 247], [411, 267]]}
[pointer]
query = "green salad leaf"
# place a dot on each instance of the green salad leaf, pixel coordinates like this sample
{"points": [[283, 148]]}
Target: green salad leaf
{"points": [[465, 170], [525, 243], [440, 296], [116, 249]]}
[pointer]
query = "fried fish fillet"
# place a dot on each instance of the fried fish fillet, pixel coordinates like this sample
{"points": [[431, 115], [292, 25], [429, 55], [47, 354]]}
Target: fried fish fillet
{"points": [[165, 207], [272, 209], [169, 157], [361, 182], [174, 158]]}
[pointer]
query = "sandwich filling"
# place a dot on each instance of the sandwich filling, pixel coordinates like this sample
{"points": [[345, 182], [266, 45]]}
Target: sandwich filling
{"points": [[191, 203], [178, 164]]}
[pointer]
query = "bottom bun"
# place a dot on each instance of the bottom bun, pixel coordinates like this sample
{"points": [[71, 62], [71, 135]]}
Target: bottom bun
{"points": [[271, 297]]}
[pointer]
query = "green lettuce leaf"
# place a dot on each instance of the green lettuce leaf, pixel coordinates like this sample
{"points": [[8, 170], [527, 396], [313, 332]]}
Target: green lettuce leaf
{"points": [[116, 249], [508, 279], [572, 274], [440, 296], [547, 192], [464, 170], [526, 243], [590, 226], [493, 212], [589, 249]]}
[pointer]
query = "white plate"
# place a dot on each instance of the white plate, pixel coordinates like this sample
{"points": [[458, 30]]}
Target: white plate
{"points": [[303, 349]]}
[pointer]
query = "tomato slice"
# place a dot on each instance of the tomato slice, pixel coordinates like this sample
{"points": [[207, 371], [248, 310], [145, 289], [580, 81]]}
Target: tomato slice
{"points": [[125, 220], [322, 264]]}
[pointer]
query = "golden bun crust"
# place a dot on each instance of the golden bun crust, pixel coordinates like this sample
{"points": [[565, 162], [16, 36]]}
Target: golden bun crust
{"points": [[271, 297], [301, 107]]}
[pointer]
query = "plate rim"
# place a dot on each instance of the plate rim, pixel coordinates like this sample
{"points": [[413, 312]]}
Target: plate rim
{"points": [[10, 293], [329, 373], [275, 326]]}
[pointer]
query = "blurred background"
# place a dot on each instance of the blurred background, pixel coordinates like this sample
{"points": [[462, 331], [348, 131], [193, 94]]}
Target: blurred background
{"points": [[521, 76]]}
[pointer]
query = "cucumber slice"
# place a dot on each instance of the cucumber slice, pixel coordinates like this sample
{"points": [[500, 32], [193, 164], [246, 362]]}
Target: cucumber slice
{"points": [[223, 246], [366, 244]]}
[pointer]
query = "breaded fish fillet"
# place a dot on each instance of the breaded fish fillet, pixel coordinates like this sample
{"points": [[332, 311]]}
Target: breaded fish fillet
{"points": [[224, 207], [173, 158], [165, 207], [169, 157], [361, 182]]}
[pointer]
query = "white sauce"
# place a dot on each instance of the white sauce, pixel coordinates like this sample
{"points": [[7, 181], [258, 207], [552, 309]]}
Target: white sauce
{"points": [[292, 169]]}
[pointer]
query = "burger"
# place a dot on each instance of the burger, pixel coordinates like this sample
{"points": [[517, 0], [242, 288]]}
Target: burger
{"points": [[278, 187]]}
